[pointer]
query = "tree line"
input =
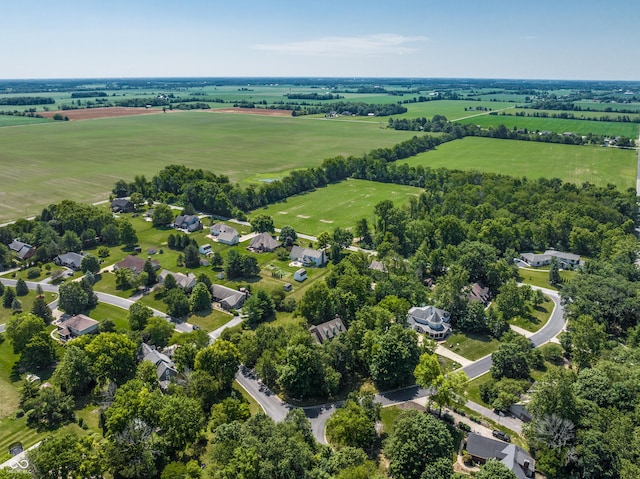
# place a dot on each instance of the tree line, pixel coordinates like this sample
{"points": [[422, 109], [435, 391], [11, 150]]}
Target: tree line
{"points": [[27, 100]]}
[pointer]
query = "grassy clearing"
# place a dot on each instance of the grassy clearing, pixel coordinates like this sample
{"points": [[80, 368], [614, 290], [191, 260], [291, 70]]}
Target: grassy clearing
{"points": [[558, 125], [471, 345], [540, 278], [570, 163], [536, 318], [472, 393], [108, 311], [96, 153], [12, 120], [340, 204], [9, 397], [27, 304], [388, 416], [210, 320]]}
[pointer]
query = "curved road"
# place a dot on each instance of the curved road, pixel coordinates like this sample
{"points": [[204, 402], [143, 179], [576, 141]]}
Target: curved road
{"points": [[275, 408]]}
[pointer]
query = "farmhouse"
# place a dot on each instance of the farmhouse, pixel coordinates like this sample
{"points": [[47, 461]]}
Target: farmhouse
{"points": [[69, 260], [329, 330], [227, 297], [515, 458], [566, 260], [122, 205], [264, 242], [300, 275], [24, 250], [429, 320], [185, 282], [188, 223], [75, 326], [165, 368], [135, 264], [308, 256]]}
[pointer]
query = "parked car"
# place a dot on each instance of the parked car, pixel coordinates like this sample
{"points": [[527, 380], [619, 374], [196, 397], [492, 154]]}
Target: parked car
{"points": [[501, 435]]}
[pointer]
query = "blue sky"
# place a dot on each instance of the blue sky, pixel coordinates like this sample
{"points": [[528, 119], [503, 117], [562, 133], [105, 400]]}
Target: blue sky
{"points": [[561, 39]]}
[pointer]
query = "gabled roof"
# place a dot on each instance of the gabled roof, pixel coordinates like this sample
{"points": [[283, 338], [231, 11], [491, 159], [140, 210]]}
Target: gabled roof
{"points": [[79, 323], [515, 458], [135, 263], [227, 297], [378, 266], [479, 292], [121, 203], [70, 259], [186, 219], [264, 241], [24, 250], [228, 235], [184, 281], [329, 330]]}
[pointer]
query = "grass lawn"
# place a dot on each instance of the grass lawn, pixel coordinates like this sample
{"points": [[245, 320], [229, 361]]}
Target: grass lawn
{"points": [[22, 274], [388, 415], [472, 392], [27, 304], [340, 204], [540, 278], [99, 152], [557, 125], [210, 320], [254, 407], [570, 163], [118, 315], [537, 318], [9, 397], [471, 345]]}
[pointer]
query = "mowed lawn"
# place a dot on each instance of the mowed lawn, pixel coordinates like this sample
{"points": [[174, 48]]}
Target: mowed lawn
{"points": [[340, 204], [557, 125], [570, 163], [81, 160]]}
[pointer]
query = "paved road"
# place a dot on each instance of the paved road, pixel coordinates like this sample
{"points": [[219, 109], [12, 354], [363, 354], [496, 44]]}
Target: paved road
{"points": [[318, 415]]}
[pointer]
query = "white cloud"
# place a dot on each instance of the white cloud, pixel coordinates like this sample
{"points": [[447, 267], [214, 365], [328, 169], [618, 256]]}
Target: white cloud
{"points": [[379, 44]]}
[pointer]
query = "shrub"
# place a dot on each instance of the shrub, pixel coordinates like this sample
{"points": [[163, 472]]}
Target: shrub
{"points": [[476, 419], [33, 273], [464, 426], [448, 417], [19, 413]]}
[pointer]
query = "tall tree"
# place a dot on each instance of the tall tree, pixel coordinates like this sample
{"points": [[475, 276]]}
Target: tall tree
{"points": [[41, 310], [128, 234], [158, 331], [262, 223], [73, 298], [162, 215], [90, 263], [73, 373], [21, 288], [139, 314], [220, 360], [22, 328], [113, 357]]}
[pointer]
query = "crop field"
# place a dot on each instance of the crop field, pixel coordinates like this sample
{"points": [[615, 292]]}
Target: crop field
{"points": [[340, 204], [571, 163], [558, 125], [596, 105], [81, 160], [584, 114], [12, 120]]}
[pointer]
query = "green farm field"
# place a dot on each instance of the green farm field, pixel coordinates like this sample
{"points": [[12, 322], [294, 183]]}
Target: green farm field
{"points": [[583, 114], [81, 160], [11, 120], [340, 204], [575, 164], [558, 125]]}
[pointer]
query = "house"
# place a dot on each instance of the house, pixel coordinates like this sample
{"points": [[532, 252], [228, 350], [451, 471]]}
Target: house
{"points": [[264, 242], [518, 460], [205, 249], [189, 223], [329, 330], [185, 282], [69, 260], [135, 264], [567, 260], [75, 326], [429, 320], [165, 368], [300, 275], [308, 256], [24, 250], [481, 293], [227, 297], [229, 236], [376, 265], [218, 228], [122, 205]]}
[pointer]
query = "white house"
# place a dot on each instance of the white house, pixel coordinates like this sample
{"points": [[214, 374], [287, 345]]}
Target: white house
{"points": [[308, 256], [205, 249], [429, 320]]}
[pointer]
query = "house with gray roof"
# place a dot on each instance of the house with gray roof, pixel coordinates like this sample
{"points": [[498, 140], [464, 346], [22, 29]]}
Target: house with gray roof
{"points": [[122, 205], [165, 368], [328, 330], [479, 292], [264, 242], [429, 320], [229, 236], [186, 282], [567, 260], [70, 260], [227, 297], [308, 256], [23, 250], [515, 458], [188, 223], [75, 326], [135, 264]]}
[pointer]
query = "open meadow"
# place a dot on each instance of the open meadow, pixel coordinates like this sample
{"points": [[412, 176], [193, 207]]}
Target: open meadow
{"points": [[570, 163], [557, 125], [81, 160], [340, 204]]}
